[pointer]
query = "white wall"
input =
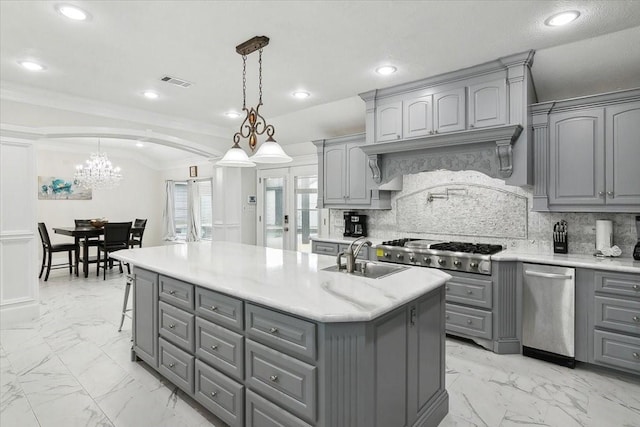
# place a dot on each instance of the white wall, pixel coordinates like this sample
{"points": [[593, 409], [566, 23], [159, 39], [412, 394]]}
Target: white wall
{"points": [[139, 195]]}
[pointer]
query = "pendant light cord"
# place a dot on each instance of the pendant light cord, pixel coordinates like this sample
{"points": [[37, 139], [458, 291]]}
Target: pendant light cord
{"points": [[260, 76], [244, 82]]}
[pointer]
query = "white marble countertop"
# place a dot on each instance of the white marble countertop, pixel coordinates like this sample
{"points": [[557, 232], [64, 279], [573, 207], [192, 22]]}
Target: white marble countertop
{"points": [[289, 281], [621, 264]]}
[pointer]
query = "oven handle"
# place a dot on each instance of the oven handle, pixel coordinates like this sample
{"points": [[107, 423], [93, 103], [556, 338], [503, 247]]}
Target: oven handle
{"points": [[547, 275]]}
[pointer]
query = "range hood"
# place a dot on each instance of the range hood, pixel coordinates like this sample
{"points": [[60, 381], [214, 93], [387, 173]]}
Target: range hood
{"points": [[488, 150]]}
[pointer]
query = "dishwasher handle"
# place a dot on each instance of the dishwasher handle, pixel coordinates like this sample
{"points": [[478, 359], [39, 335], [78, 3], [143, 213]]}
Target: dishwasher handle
{"points": [[548, 275]]}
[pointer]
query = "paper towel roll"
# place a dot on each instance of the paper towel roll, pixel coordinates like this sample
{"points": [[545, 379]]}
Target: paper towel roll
{"points": [[604, 234]]}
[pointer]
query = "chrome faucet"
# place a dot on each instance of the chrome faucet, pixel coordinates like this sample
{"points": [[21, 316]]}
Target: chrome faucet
{"points": [[351, 255]]}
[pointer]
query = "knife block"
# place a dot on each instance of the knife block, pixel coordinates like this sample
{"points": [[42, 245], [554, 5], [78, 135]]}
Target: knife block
{"points": [[561, 246]]}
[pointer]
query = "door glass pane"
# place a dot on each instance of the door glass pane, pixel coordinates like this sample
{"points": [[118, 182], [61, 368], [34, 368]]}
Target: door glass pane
{"points": [[273, 212], [306, 194], [180, 210]]}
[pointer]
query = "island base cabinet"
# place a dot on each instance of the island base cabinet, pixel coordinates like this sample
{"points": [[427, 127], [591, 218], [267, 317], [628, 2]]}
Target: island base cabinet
{"points": [[145, 316], [262, 413], [220, 394]]}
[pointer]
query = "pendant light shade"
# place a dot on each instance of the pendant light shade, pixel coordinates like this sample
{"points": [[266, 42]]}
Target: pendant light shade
{"points": [[236, 157], [270, 152]]}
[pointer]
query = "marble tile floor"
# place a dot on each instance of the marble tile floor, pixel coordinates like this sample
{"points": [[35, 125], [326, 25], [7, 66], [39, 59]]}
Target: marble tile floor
{"points": [[72, 368]]}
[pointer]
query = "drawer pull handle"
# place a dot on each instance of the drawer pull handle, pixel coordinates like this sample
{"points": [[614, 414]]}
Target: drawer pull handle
{"points": [[214, 308], [469, 321], [171, 365], [636, 355], [214, 347], [214, 393], [171, 326], [636, 319], [172, 292], [273, 378], [636, 287], [446, 316], [446, 287], [469, 291], [273, 330]]}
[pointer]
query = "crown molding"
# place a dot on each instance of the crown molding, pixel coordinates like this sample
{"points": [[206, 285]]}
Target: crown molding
{"points": [[45, 98]]}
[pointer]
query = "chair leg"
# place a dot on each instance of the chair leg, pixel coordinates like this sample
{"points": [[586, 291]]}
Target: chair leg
{"points": [[120, 265], [70, 262], [98, 263], [128, 268], [124, 305], [104, 269], [44, 258], [46, 277]]}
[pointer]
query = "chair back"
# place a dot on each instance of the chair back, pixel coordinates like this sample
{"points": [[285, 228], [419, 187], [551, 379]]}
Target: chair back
{"points": [[140, 224], [44, 235], [82, 222], [116, 235]]}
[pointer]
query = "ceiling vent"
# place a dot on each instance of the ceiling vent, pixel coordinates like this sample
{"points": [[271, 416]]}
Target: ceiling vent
{"points": [[176, 81]]}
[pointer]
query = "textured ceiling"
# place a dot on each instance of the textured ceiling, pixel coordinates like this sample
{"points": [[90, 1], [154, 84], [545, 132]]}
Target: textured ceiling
{"points": [[328, 48]]}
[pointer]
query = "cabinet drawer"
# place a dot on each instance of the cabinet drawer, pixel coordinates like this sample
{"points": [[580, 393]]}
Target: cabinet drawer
{"points": [[176, 292], [261, 413], [220, 309], [618, 314], [469, 321], [284, 332], [471, 291], [617, 350], [363, 254], [176, 326], [176, 365], [618, 283], [287, 381], [219, 394], [324, 248], [220, 347]]}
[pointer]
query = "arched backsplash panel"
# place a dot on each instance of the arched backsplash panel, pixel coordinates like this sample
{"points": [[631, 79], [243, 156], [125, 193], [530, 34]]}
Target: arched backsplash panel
{"points": [[452, 209]]}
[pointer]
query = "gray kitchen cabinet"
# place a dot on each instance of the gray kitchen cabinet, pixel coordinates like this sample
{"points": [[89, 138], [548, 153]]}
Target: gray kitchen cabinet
{"points": [[330, 247], [449, 111], [587, 152], [344, 177], [389, 122], [417, 116], [145, 316], [487, 104]]}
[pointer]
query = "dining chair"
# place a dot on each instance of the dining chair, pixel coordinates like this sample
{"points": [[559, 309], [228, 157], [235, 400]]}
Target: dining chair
{"points": [[93, 242], [116, 237], [136, 235], [48, 249]]}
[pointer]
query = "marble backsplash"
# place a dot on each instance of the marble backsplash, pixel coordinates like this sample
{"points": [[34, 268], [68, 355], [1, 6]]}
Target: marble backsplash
{"points": [[471, 206]]}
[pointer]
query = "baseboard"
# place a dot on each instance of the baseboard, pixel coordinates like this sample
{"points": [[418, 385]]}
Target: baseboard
{"points": [[12, 315], [435, 413]]}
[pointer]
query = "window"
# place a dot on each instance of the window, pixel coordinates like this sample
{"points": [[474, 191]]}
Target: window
{"points": [[181, 208]]}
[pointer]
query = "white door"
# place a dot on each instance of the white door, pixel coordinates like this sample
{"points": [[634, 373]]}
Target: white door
{"points": [[287, 207]]}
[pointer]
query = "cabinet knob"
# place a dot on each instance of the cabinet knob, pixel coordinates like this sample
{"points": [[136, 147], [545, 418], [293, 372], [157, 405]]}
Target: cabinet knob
{"points": [[171, 326], [446, 316], [273, 378], [214, 347], [214, 308], [469, 321], [610, 194], [172, 292], [435, 131], [636, 319], [397, 136], [214, 393], [430, 132], [273, 330], [469, 291], [472, 125], [636, 355], [171, 365], [446, 287], [636, 287], [601, 193]]}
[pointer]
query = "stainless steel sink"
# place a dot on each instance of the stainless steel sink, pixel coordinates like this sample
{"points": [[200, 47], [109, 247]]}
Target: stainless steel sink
{"points": [[371, 270]]}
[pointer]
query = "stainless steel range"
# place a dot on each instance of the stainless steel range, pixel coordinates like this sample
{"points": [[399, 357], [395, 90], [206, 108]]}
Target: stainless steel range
{"points": [[459, 256]]}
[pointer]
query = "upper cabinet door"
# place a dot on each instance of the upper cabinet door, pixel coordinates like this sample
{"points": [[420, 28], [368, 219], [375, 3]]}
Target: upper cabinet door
{"points": [[449, 111], [389, 122], [623, 154], [417, 117], [334, 174], [358, 192], [488, 104], [576, 169]]}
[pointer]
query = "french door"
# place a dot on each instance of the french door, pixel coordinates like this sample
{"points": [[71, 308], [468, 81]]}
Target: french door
{"points": [[287, 213]]}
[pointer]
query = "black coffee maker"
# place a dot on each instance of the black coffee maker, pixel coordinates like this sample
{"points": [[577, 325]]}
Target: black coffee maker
{"points": [[636, 250], [354, 225]]}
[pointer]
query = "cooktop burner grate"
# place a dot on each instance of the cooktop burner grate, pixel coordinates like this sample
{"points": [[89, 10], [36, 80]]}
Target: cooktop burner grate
{"points": [[475, 248]]}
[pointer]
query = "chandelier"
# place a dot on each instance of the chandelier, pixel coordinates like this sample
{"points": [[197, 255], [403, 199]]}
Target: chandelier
{"points": [[254, 124], [98, 172]]}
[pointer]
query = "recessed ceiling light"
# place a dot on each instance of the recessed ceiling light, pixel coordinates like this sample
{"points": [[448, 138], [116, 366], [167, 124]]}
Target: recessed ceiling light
{"points": [[150, 94], [72, 12], [562, 18], [301, 94], [385, 70], [139, 144], [31, 66], [232, 114]]}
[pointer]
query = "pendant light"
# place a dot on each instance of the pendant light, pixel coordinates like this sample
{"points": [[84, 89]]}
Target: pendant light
{"points": [[254, 124]]}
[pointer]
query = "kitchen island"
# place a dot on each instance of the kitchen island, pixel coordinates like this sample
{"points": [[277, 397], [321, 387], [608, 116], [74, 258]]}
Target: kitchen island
{"points": [[262, 336]]}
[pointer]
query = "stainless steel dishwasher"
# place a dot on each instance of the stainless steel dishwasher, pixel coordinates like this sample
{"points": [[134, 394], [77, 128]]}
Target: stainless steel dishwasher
{"points": [[548, 313]]}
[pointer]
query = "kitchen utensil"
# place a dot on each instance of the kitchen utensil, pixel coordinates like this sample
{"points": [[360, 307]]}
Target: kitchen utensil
{"points": [[560, 244]]}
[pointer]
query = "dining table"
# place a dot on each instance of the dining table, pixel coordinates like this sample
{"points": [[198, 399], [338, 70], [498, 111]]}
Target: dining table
{"points": [[84, 233]]}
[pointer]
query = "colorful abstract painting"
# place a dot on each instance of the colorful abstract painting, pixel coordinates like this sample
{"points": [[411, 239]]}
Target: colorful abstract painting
{"points": [[54, 188]]}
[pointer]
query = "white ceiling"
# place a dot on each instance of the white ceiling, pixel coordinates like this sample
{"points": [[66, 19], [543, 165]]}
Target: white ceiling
{"points": [[328, 48]]}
